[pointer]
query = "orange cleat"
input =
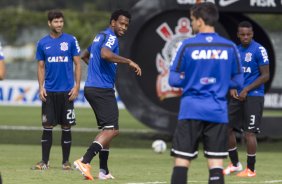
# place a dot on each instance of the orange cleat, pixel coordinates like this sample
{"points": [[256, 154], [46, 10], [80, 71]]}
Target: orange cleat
{"points": [[84, 169], [247, 173]]}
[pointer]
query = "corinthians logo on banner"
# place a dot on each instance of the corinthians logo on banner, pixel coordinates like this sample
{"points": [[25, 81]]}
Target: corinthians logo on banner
{"points": [[182, 31]]}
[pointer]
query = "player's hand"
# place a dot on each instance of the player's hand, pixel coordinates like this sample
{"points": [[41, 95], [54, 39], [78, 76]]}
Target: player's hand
{"points": [[234, 93], [42, 94], [243, 94], [135, 67], [73, 93]]}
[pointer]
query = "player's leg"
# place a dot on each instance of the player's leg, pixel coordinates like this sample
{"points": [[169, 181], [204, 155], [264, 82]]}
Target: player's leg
{"points": [[48, 121], [66, 140], [104, 105], [67, 120], [235, 118], [184, 149], [253, 117], [215, 149]]}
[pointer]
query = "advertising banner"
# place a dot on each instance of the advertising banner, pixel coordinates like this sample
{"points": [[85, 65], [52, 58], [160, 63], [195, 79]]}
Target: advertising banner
{"points": [[26, 92]]}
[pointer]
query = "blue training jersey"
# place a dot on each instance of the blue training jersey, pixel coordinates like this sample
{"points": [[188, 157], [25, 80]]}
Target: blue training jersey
{"points": [[252, 57], [204, 66], [102, 73], [1, 53], [57, 54]]}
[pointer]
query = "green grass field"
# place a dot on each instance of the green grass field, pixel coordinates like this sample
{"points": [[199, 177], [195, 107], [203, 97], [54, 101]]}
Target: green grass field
{"points": [[132, 160]]}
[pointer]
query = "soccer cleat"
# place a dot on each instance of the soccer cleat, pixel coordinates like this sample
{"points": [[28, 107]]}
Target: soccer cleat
{"points": [[84, 169], [41, 166], [247, 173], [103, 176], [66, 166], [231, 168]]}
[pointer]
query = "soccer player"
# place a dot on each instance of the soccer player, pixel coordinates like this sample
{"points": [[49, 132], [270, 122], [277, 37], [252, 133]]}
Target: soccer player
{"points": [[246, 103], [2, 64], [99, 91], [204, 66], [59, 85]]}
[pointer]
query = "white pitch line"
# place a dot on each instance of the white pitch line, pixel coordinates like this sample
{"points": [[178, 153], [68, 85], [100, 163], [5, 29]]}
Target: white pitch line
{"points": [[239, 182], [153, 182], [74, 129]]}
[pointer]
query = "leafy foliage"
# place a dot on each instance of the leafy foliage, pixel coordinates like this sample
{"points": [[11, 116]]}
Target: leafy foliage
{"points": [[81, 24]]}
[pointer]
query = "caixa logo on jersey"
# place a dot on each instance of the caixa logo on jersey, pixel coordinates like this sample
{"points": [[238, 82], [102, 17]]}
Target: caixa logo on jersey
{"points": [[182, 31]]}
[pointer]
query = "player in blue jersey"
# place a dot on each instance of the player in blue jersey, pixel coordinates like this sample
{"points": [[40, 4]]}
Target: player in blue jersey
{"points": [[205, 67], [2, 64], [246, 103], [57, 54], [99, 91]]}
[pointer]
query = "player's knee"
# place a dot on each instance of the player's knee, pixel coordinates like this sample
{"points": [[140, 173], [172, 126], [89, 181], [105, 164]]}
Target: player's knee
{"points": [[48, 126], [116, 133], [249, 135], [66, 127]]}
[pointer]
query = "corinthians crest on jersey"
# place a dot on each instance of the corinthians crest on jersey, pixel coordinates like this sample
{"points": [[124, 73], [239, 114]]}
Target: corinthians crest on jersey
{"points": [[183, 30], [64, 46]]}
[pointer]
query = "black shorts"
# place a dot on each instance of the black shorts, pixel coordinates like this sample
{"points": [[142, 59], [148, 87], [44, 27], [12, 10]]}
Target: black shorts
{"points": [[104, 105], [58, 109], [246, 115], [188, 133]]}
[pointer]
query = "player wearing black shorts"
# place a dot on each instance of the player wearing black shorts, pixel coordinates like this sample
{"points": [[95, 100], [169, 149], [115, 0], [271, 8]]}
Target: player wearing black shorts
{"points": [[246, 104], [204, 66], [99, 91], [58, 86]]}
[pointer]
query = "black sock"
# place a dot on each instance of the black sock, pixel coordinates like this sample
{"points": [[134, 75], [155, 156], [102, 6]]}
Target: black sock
{"points": [[66, 143], [216, 176], [46, 143], [179, 175], [103, 156], [92, 151], [251, 160], [233, 154]]}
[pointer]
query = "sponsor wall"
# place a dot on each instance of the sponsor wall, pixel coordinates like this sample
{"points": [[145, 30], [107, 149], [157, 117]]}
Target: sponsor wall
{"points": [[26, 93]]}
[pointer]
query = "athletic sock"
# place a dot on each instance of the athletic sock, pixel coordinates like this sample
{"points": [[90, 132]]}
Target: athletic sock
{"points": [[251, 160], [216, 176], [179, 175], [233, 154], [66, 143], [103, 156], [46, 143], [91, 152]]}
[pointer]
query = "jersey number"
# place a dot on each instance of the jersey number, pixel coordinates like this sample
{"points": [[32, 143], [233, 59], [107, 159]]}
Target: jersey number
{"points": [[252, 119], [70, 114]]}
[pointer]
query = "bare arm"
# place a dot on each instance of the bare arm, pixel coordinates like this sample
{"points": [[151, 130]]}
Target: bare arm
{"points": [[2, 69], [85, 55], [108, 55], [263, 78], [77, 72], [41, 78]]}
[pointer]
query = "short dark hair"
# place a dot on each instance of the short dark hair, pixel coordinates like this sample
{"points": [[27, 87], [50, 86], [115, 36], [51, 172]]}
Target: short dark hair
{"points": [[245, 24], [55, 14], [115, 15], [207, 11]]}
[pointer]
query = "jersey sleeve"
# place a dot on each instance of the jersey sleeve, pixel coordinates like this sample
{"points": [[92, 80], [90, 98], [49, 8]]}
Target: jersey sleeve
{"points": [[39, 52], [75, 47], [111, 42], [177, 75], [262, 56]]}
